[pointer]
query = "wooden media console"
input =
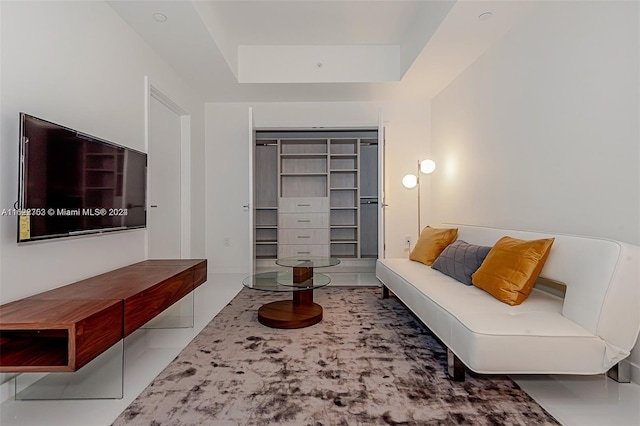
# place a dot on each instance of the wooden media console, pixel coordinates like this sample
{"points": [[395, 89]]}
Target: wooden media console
{"points": [[63, 329]]}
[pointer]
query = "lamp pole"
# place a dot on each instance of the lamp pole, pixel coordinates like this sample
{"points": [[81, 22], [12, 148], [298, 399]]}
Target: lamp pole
{"points": [[412, 181], [418, 185]]}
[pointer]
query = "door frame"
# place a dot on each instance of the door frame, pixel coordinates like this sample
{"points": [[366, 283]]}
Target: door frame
{"points": [[152, 91], [250, 206], [381, 188]]}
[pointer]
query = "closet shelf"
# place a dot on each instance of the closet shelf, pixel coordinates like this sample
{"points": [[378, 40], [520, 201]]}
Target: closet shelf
{"points": [[311, 155], [305, 174]]}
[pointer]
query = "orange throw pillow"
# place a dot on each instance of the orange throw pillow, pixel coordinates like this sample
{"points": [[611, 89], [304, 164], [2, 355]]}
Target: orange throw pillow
{"points": [[431, 243], [511, 268]]}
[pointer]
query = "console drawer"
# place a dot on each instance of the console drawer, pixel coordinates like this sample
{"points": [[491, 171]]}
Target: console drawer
{"points": [[293, 250], [303, 220], [304, 205], [303, 236]]}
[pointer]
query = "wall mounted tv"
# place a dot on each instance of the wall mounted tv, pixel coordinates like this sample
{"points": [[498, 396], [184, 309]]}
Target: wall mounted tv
{"points": [[71, 183]]}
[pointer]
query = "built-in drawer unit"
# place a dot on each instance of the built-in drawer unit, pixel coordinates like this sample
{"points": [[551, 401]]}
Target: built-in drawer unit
{"points": [[303, 226]]}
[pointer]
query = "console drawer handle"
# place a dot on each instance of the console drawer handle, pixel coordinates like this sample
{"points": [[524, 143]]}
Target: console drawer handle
{"points": [[304, 221], [304, 205], [304, 252], [304, 236]]}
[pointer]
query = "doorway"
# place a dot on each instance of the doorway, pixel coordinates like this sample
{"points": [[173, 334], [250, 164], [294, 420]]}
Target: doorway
{"points": [[165, 183], [328, 180]]}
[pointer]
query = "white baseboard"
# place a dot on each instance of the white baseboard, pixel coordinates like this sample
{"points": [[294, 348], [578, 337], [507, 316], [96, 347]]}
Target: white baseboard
{"points": [[635, 371]]}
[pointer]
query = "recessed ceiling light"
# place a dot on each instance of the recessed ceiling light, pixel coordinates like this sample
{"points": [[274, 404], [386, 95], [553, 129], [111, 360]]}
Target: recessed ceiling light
{"points": [[485, 16], [160, 17]]}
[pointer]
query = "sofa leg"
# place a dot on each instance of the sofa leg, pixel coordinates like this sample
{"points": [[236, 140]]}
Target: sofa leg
{"points": [[385, 292], [455, 367], [621, 372]]}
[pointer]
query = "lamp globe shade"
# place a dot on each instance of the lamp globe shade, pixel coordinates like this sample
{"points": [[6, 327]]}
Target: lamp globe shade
{"points": [[410, 181], [427, 166]]}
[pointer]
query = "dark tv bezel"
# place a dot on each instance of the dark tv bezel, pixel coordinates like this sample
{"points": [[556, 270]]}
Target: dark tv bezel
{"points": [[21, 183]]}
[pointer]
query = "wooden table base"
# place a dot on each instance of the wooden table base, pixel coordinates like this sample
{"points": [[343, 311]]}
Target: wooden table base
{"points": [[287, 314]]}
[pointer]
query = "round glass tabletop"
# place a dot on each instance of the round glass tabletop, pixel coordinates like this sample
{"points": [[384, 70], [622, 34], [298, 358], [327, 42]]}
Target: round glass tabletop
{"points": [[283, 281], [308, 261]]}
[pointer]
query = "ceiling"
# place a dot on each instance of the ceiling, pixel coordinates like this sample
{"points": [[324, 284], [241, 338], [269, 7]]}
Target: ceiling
{"points": [[320, 50]]}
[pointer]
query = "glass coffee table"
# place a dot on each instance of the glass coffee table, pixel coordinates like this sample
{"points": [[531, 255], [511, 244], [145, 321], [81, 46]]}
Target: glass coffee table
{"points": [[301, 280]]}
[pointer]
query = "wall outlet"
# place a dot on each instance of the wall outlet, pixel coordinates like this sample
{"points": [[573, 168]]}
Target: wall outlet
{"points": [[407, 243], [226, 242]]}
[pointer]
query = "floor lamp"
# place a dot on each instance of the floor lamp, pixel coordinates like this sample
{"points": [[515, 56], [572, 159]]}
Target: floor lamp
{"points": [[411, 181]]}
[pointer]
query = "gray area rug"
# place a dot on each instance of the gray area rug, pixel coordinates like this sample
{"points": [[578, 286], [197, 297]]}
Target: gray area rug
{"points": [[368, 362]]}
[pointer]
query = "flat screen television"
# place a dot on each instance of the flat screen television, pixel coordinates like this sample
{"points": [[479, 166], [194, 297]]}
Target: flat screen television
{"points": [[71, 183]]}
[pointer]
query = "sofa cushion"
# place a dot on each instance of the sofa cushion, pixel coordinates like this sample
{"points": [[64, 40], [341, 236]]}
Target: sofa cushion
{"points": [[511, 268], [461, 259], [431, 243]]}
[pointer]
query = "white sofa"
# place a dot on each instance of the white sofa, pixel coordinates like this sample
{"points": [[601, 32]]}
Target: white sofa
{"points": [[588, 332]]}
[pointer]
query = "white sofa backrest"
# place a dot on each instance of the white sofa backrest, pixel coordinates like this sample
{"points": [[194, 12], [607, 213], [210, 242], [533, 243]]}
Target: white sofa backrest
{"points": [[602, 279]]}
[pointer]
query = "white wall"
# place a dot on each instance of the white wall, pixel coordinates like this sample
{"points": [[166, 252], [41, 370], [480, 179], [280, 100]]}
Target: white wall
{"points": [[198, 184], [542, 132], [227, 155], [2, 397], [78, 64]]}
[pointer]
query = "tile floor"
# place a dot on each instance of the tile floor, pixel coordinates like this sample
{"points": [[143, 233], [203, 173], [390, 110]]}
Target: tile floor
{"points": [[573, 400]]}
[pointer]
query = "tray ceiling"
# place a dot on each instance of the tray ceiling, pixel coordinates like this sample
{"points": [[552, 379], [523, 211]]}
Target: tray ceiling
{"points": [[305, 50]]}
